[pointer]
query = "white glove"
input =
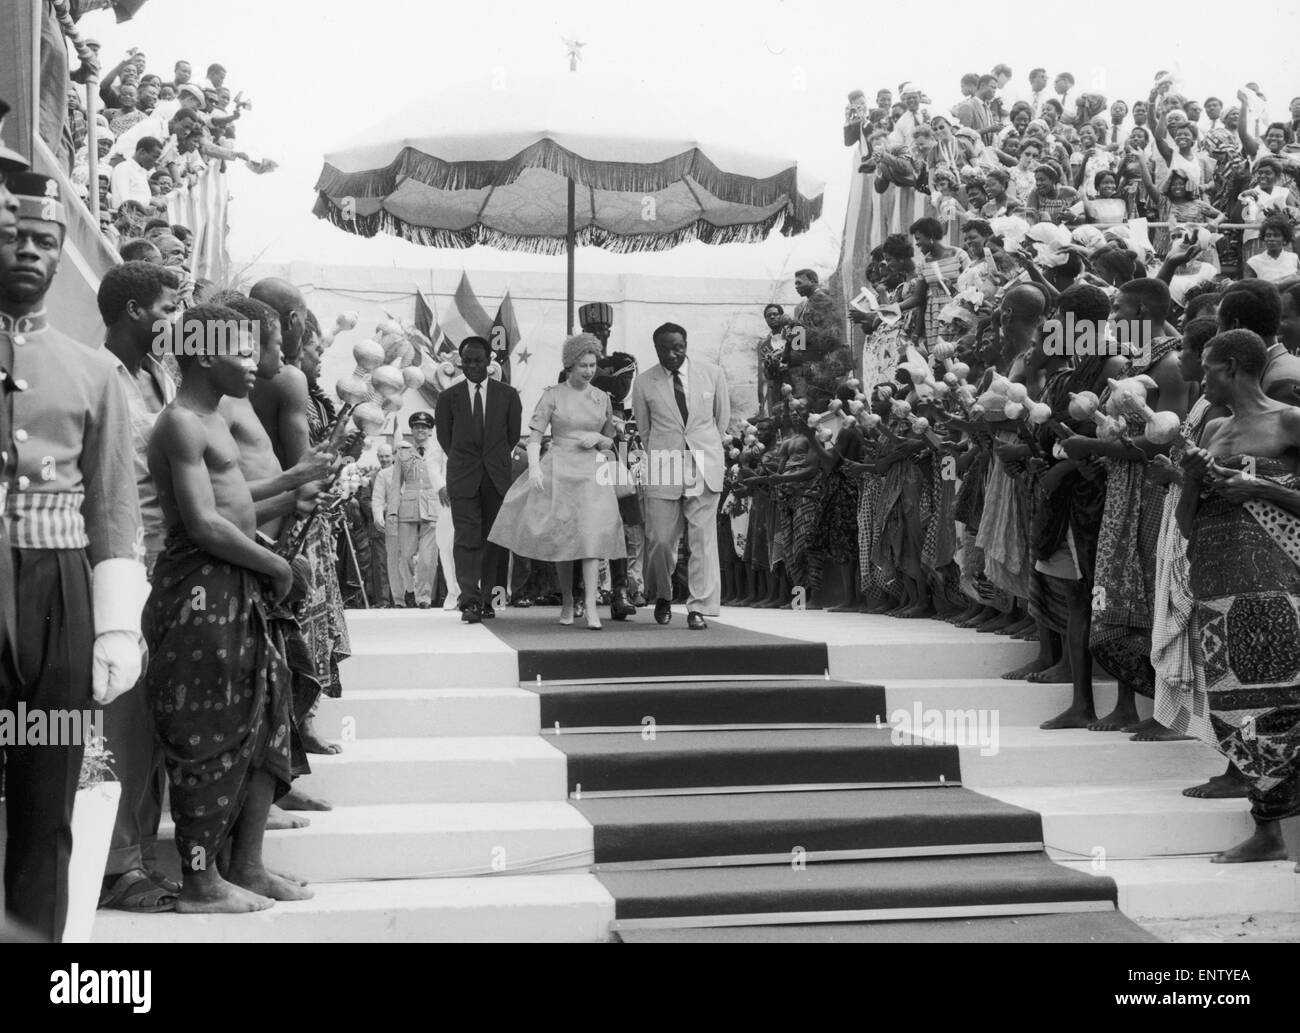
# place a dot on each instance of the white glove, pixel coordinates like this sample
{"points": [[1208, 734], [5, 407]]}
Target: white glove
{"points": [[116, 666]]}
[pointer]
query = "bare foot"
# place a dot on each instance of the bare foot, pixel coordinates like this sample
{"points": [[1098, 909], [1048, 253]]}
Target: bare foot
{"points": [[985, 613], [1030, 634], [1116, 721], [297, 800], [278, 819], [1024, 624], [312, 741], [1220, 787], [994, 624], [1075, 717], [1264, 845], [1024, 672], [1056, 674], [268, 884], [1152, 730], [287, 877], [915, 611], [218, 897]]}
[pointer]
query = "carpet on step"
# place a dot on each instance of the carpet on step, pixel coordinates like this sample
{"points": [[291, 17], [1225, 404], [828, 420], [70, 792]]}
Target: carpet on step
{"points": [[691, 702], [977, 880], [1085, 927], [630, 829], [612, 761], [640, 648]]}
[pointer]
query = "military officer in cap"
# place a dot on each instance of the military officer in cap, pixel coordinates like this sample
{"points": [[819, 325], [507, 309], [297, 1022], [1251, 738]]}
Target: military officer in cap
{"points": [[76, 544], [10, 162], [614, 375], [417, 489]]}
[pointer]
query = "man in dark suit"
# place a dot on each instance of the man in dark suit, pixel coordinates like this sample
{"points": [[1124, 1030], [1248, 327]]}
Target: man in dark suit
{"points": [[478, 423]]}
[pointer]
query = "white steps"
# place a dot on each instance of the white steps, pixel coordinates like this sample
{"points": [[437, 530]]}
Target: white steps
{"points": [[567, 908], [465, 769], [1030, 756], [409, 841], [1143, 819], [1193, 887], [423, 649], [416, 713], [1014, 702]]}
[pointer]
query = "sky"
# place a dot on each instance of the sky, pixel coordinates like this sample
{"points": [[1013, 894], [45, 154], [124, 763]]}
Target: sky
{"points": [[319, 71]]}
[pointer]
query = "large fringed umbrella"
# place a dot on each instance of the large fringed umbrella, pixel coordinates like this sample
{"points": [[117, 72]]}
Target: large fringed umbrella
{"points": [[551, 166]]}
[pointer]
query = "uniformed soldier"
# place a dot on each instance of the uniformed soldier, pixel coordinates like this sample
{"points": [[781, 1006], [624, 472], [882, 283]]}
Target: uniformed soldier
{"points": [[76, 544], [614, 375], [10, 163], [416, 491]]}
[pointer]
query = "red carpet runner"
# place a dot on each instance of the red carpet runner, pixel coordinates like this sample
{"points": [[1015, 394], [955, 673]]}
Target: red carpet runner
{"points": [[738, 794]]}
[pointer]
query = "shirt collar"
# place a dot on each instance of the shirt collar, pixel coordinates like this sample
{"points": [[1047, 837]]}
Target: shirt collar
{"points": [[30, 323]]}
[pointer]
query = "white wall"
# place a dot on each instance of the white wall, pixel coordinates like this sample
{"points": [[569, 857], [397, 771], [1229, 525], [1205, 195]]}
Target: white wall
{"points": [[723, 317]]}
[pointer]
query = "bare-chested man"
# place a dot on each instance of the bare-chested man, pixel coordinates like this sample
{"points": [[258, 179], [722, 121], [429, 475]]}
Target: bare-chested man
{"points": [[1241, 515], [227, 761], [272, 485], [282, 402]]}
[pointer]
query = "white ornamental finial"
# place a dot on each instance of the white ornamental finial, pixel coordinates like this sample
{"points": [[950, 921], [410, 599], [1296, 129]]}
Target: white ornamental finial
{"points": [[575, 51]]}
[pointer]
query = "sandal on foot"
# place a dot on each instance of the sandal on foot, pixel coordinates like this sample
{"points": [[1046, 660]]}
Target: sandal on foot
{"points": [[136, 892], [159, 879]]}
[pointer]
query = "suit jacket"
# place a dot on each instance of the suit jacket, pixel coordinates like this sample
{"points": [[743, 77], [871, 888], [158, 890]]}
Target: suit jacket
{"points": [[416, 480], [474, 452], [659, 421], [380, 489]]}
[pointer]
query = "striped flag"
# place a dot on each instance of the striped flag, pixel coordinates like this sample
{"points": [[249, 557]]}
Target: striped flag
{"points": [[505, 335], [467, 317], [424, 318]]}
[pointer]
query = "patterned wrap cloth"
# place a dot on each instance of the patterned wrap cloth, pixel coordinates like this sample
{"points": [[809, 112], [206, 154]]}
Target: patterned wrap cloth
{"points": [[1245, 581], [218, 685]]}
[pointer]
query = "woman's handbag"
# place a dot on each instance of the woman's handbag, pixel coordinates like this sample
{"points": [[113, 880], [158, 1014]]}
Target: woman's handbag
{"points": [[622, 476]]}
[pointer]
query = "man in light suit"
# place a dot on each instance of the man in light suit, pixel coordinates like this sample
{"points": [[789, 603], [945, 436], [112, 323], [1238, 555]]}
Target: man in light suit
{"points": [[416, 490], [682, 409], [384, 554]]}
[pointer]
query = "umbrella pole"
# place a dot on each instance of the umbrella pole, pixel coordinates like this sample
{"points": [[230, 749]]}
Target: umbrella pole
{"points": [[569, 246]]}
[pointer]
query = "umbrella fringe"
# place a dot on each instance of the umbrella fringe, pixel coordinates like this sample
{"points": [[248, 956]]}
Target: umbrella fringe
{"points": [[588, 236], [621, 177]]}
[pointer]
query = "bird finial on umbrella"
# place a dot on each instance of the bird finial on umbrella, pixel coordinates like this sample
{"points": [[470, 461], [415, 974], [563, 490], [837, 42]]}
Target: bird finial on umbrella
{"points": [[575, 51]]}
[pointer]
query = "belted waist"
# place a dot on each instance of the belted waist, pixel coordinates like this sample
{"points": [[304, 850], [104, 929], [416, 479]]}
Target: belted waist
{"points": [[46, 519]]}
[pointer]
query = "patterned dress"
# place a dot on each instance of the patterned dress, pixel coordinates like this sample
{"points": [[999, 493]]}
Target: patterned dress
{"points": [[871, 582], [1120, 635], [941, 287], [1245, 581]]}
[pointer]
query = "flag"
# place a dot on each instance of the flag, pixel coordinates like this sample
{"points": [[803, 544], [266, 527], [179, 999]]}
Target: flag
{"points": [[467, 317], [424, 315], [427, 323], [505, 335]]}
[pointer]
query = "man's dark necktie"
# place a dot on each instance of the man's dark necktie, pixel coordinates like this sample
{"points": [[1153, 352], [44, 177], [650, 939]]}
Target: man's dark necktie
{"points": [[680, 391], [420, 449], [478, 408]]}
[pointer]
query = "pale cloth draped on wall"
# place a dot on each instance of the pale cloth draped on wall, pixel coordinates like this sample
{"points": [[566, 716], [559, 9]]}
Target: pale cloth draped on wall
{"points": [[869, 218], [203, 207]]}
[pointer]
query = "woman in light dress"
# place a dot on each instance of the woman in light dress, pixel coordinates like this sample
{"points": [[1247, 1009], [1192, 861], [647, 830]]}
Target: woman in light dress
{"points": [[564, 509]]}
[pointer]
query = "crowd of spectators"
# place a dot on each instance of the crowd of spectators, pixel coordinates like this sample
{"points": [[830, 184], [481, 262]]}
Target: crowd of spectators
{"points": [[1069, 156]]}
